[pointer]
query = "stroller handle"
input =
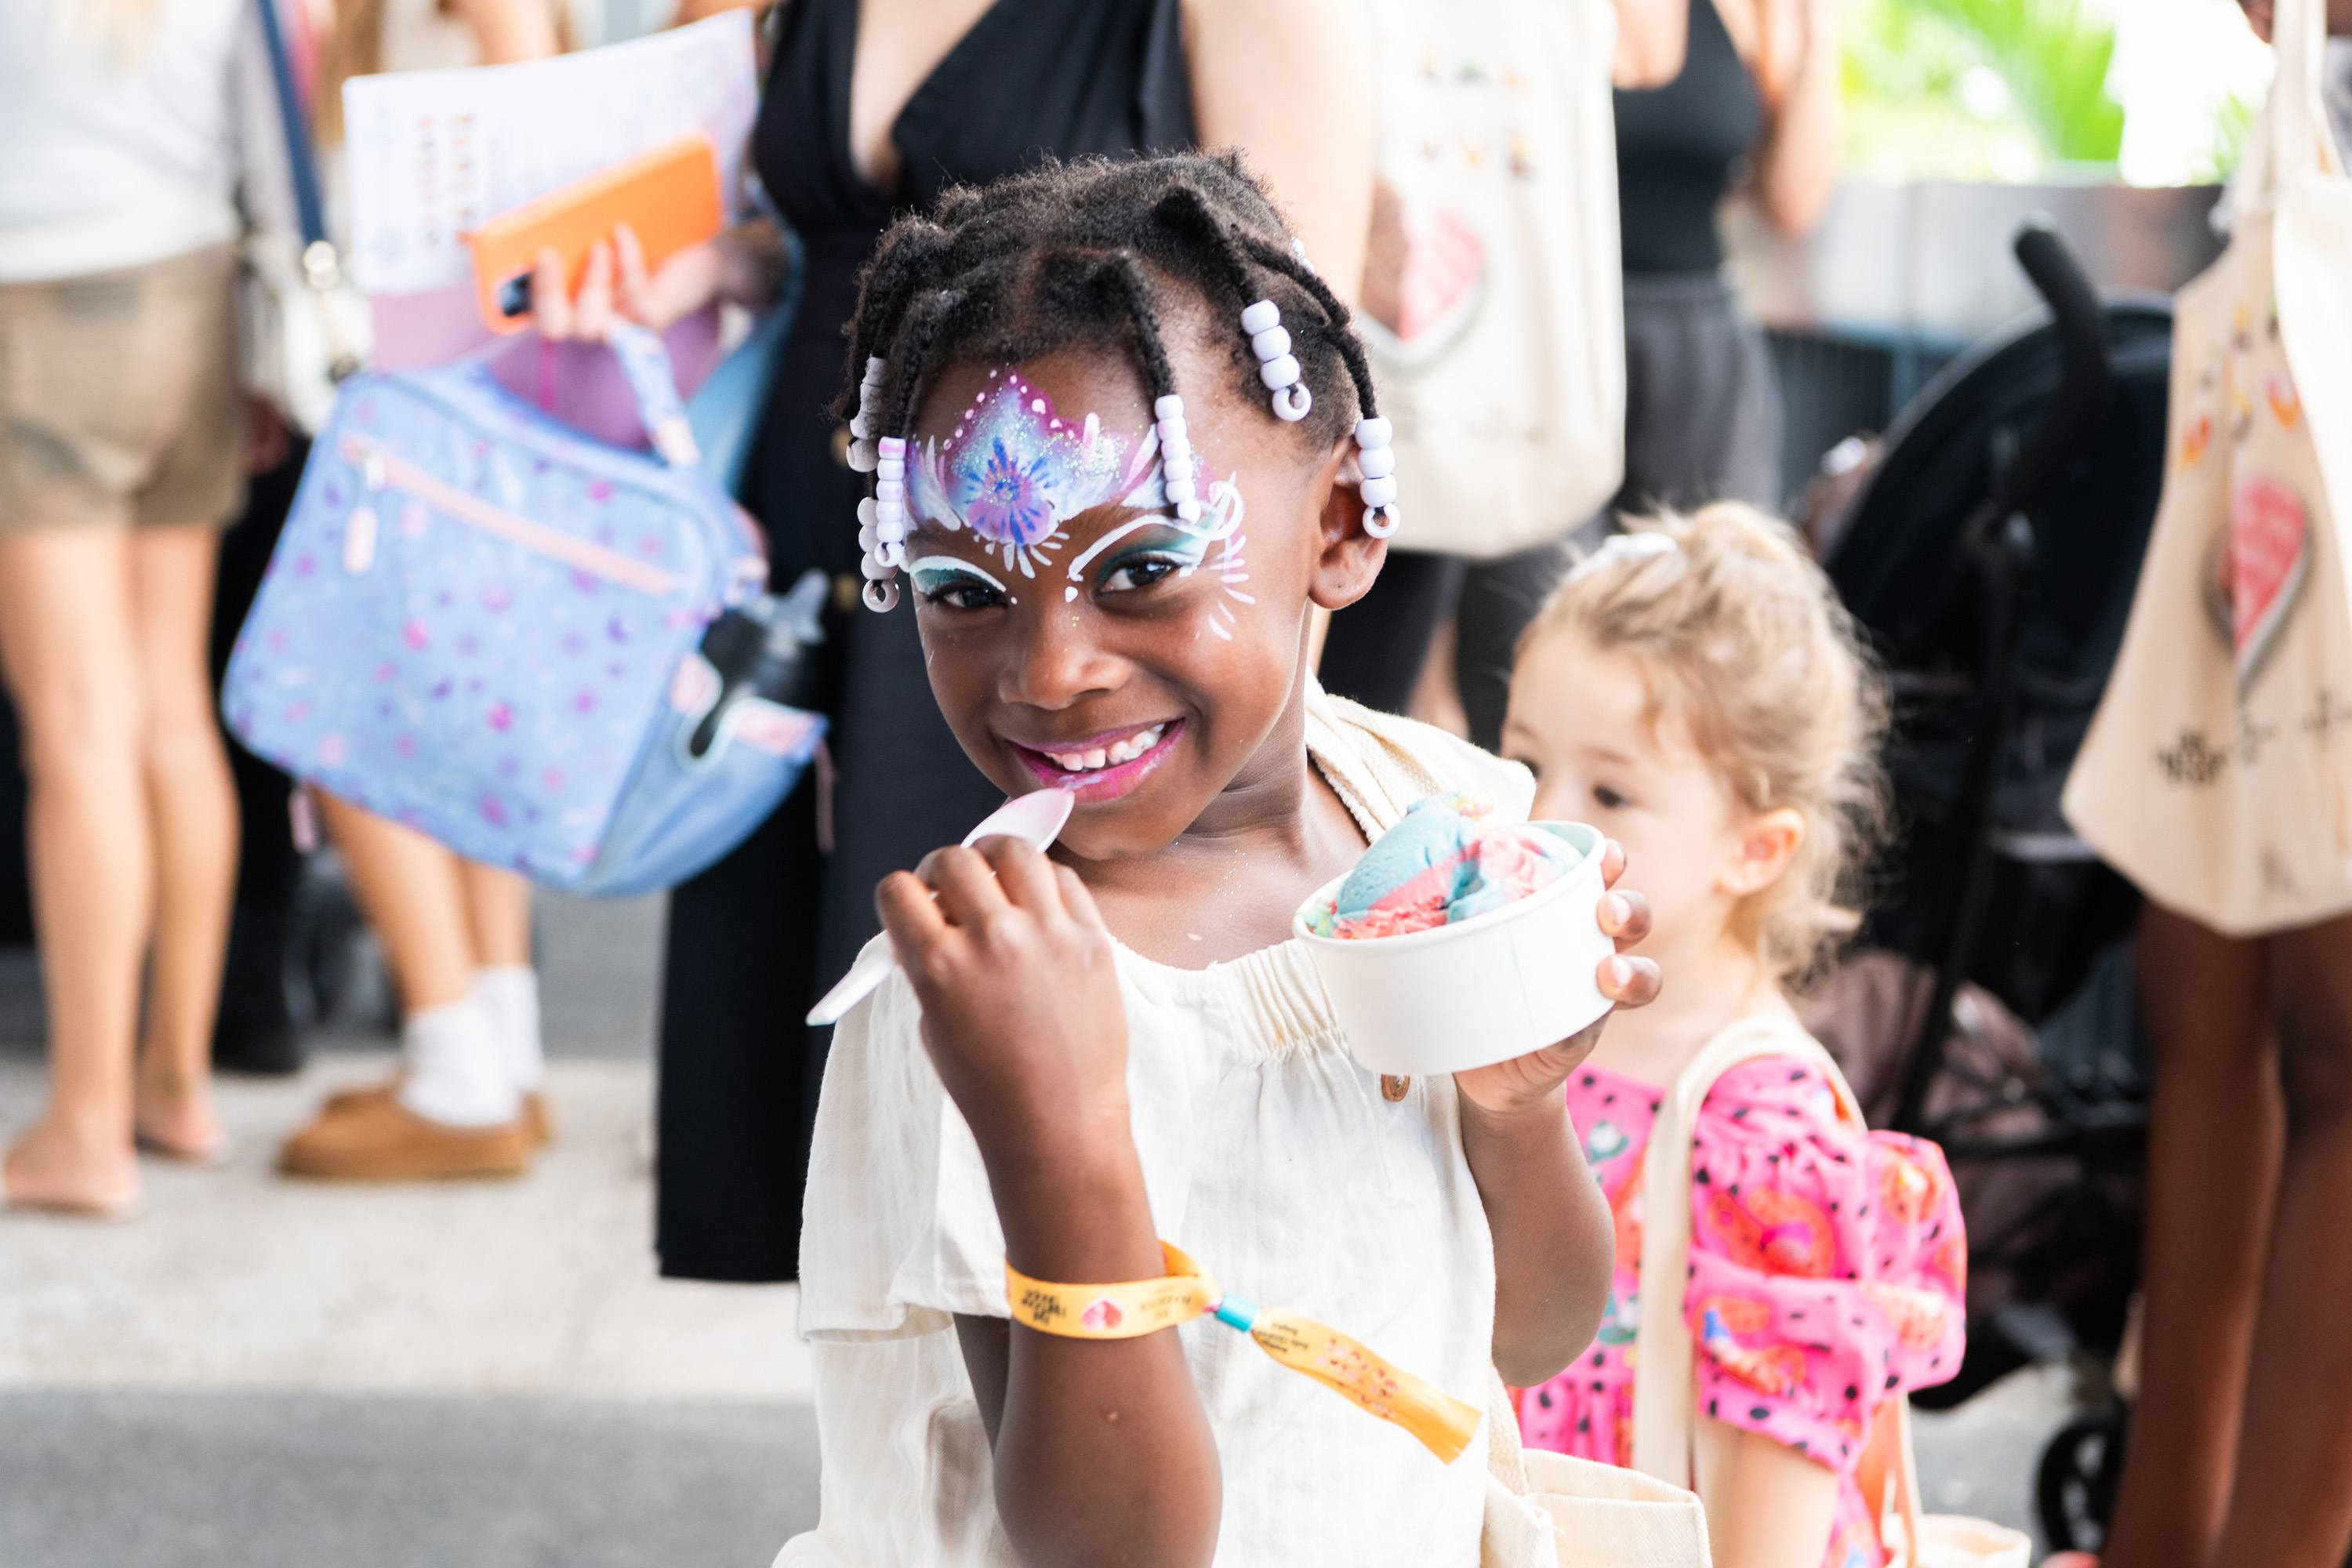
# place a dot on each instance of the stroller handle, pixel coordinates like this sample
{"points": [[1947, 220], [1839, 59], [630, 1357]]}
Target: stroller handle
{"points": [[2086, 370]]}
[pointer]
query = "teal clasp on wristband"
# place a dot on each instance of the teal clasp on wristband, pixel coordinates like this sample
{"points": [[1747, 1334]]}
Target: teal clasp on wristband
{"points": [[1235, 1311]]}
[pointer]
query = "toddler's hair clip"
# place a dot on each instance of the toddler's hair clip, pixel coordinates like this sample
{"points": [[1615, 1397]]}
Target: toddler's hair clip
{"points": [[1441, 1422], [1629, 548]]}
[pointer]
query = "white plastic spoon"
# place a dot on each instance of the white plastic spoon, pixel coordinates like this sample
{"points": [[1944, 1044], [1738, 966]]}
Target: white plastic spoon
{"points": [[1035, 818]]}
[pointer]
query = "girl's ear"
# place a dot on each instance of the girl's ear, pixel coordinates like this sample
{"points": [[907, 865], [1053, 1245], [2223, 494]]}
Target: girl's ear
{"points": [[1347, 558], [1766, 845]]}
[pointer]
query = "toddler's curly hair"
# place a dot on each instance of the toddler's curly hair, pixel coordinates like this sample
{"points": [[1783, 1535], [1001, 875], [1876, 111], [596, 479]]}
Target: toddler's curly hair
{"points": [[1739, 633]]}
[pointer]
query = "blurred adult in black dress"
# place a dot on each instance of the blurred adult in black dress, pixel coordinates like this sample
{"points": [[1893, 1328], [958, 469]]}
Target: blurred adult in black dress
{"points": [[871, 108]]}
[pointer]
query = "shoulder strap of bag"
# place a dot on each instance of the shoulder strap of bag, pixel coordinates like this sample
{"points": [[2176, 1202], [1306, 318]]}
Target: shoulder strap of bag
{"points": [[309, 211], [2291, 135], [1663, 1387]]}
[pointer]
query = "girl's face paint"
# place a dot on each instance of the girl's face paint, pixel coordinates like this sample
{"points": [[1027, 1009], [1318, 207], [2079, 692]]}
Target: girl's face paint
{"points": [[1154, 682], [1013, 472], [940, 578]]}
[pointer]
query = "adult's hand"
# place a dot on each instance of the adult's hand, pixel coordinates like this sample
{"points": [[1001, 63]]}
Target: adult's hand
{"points": [[617, 287]]}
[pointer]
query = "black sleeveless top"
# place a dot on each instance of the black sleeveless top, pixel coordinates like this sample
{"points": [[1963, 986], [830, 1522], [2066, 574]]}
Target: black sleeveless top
{"points": [[756, 938], [1068, 76], [1675, 148]]}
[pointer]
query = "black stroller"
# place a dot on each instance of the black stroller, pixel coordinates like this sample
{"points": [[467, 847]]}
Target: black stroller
{"points": [[1991, 558]]}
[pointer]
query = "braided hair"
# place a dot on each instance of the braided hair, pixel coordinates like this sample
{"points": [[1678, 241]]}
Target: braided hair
{"points": [[1075, 255]]}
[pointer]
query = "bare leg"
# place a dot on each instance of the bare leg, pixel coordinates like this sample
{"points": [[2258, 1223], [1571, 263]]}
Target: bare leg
{"points": [[66, 646], [414, 895], [2213, 1143], [2292, 1504], [497, 914], [192, 807]]}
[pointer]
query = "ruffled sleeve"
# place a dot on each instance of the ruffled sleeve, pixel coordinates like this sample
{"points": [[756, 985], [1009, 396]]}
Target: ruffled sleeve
{"points": [[1828, 1264], [898, 1228]]}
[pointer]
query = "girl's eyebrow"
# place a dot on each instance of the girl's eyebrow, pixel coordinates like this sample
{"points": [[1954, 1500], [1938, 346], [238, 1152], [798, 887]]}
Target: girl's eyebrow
{"points": [[1189, 541], [955, 563]]}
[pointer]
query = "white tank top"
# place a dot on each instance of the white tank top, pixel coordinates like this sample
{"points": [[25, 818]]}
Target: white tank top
{"points": [[115, 156]]}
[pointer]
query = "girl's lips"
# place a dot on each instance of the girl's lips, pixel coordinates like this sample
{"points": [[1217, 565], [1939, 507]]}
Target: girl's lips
{"points": [[1110, 780]]}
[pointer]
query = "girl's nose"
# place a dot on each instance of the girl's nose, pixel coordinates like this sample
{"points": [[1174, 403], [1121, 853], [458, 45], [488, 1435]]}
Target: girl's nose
{"points": [[1060, 662]]}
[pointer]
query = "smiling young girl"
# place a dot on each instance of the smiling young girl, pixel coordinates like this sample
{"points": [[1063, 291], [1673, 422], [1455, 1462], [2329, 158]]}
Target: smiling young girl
{"points": [[1695, 690], [1124, 440]]}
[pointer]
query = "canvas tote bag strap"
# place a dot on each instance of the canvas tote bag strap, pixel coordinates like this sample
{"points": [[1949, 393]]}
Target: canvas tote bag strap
{"points": [[1664, 1386], [2291, 135]]}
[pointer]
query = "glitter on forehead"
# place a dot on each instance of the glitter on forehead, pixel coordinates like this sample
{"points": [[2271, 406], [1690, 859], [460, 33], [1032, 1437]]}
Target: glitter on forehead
{"points": [[1013, 472]]}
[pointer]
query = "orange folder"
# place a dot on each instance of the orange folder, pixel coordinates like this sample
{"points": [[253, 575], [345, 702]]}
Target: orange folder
{"points": [[669, 197]]}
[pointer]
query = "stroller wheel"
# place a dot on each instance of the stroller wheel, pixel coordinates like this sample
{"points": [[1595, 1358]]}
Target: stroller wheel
{"points": [[2075, 1488]]}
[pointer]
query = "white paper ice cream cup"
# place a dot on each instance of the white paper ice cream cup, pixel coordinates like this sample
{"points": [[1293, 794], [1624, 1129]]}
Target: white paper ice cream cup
{"points": [[1513, 981]]}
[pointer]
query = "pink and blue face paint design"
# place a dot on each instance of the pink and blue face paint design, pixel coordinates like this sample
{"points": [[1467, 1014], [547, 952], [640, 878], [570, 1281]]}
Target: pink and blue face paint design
{"points": [[1013, 472]]}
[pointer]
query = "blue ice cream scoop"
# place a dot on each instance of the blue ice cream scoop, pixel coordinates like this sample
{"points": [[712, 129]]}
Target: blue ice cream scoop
{"points": [[1441, 864]]}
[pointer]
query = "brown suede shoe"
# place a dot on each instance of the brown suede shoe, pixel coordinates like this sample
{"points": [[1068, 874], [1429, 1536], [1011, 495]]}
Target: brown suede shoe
{"points": [[377, 1139], [536, 1114]]}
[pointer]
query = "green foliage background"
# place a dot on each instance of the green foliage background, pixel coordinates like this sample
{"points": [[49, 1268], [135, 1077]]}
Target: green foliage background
{"points": [[1910, 66]]}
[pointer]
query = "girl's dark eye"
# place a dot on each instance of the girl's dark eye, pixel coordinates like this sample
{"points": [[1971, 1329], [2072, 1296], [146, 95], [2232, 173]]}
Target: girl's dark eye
{"points": [[1140, 572], [1609, 799], [962, 593]]}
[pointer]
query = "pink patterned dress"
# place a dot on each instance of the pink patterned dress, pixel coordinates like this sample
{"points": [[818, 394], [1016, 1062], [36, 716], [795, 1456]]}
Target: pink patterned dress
{"points": [[1827, 1272]]}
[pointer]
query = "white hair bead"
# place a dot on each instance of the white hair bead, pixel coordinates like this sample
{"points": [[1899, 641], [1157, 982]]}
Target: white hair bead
{"points": [[1259, 317], [892, 447], [1291, 404], [1181, 490], [891, 553], [1280, 372], [862, 457], [874, 569], [1380, 522], [1375, 433], [1171, 430], [891, 489], [1171, 406], [867, 538], [1377, 462], [1380, 491], [881, 597], [1188, 510], [1271, 343]]}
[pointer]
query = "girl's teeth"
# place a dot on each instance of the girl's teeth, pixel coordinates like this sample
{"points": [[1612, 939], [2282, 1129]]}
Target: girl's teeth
{"points": [[1125, 751]]}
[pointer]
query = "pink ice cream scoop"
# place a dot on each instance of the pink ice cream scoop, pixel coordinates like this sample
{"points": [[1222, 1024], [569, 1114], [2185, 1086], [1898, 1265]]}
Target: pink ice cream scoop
{"points": [[1442, 863]]}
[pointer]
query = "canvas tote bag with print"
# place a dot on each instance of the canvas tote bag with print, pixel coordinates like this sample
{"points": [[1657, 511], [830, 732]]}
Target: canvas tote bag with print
{"points": [[1493, 302], [1666, 1445], [2217, 774], [1550, 1511]]}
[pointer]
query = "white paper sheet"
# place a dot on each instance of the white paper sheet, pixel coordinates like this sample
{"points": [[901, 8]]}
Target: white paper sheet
{"points": [[434, 154]]}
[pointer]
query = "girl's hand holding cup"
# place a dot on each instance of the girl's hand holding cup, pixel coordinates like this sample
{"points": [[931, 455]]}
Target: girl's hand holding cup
{"points": [[1022, 1013], [1536, 1082]]}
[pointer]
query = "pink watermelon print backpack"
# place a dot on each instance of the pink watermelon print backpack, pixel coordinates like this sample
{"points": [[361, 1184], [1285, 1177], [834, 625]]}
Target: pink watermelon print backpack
{"points": [[548, 653]]}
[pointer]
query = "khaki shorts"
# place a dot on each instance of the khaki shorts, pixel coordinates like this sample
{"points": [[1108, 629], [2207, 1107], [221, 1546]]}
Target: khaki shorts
{"points": [[119, 401]]}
